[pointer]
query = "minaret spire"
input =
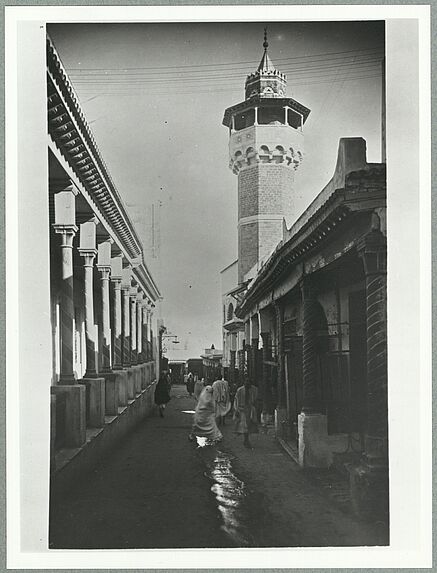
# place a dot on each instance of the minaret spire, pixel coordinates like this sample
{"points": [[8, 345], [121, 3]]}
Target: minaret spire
{"points": [[266, 64]]}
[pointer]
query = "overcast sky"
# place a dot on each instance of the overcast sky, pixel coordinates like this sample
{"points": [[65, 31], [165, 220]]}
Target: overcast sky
{"points": [[154, 96]]}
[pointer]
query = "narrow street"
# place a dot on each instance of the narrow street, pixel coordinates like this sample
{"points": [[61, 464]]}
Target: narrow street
{"points": [[158, 490]]}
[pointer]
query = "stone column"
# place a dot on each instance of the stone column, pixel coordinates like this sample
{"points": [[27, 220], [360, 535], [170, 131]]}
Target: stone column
{"points": [[144, 329], [139, 328], [281, 417], [87, 251], [95, 386], [67, 233], [125, 288], [266, 382], [369, 482], [104, 267], [74, 393], [149, 334], [133, 324], [310, 403], [116, 275], [279, 316], [314, 448]]}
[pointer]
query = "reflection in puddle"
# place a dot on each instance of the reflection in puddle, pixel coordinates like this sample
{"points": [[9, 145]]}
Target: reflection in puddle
{"points": [[230, 493]]}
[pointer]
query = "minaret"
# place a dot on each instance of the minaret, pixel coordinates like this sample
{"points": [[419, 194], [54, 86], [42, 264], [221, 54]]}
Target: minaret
{"points": [[265, 149]]}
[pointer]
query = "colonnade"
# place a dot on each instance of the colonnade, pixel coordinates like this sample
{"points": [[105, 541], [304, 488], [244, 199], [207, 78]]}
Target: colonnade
{"points": [[118, 361]]}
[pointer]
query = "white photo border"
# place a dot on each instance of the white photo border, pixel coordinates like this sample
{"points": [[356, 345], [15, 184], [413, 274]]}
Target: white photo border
{"points": [[409, 307]]}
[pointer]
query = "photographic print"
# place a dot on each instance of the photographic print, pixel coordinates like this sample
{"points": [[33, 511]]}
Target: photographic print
{"points": [[213, 221]]}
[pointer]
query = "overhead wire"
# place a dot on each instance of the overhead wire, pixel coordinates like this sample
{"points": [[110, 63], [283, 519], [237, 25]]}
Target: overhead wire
{"points": [[321, 55], [310, 69], [290, 72], [139, 90]]}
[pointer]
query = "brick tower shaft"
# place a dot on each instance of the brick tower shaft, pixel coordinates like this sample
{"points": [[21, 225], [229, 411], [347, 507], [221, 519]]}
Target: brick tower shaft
{"points": [[265, 149]]}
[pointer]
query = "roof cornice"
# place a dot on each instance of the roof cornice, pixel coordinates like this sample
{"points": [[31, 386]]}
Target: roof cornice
{"points": [[72, 135]]}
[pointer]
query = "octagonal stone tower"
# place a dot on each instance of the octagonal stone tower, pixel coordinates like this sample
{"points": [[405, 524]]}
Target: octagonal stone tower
{"points": [[265, 149]]}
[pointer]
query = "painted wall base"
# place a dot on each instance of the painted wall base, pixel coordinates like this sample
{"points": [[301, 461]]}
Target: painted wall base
{"points": [[112, 393], [314, 447], [138, 371], [72, 464], [281, 423], [369, 486], [130, 383], [95, 401], [122, 387], [75, 413]]}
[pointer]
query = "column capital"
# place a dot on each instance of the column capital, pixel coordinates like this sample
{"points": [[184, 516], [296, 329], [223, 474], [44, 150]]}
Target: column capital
{"points": [[116, 281], [67, 232], [105, 271], [88, 255]]}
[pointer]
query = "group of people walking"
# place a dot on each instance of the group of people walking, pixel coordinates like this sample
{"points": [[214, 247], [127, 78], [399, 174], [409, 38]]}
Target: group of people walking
{"points": [[213, 402]]}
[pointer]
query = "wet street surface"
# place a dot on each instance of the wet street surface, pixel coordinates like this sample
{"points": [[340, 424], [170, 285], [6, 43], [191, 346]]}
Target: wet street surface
{"points": [[158, 490]]}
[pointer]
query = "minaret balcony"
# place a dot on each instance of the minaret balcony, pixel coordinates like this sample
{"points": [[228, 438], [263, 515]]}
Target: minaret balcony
{"points": [[273, 143]]}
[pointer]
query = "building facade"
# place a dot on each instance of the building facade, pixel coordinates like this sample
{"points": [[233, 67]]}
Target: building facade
{"points": [[306, 319], [105, 334], [212, 364]]}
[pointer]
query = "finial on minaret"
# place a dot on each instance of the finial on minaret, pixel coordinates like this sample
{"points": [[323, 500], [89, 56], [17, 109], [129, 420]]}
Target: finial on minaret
{"points": [[265, 44]]}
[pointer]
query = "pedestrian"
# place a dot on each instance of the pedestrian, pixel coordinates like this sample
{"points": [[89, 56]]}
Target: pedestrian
{"points": [[245, 415], [220, 389], [162, 392], [190, 384], [233, 386], [204, 424], [198, 387]]}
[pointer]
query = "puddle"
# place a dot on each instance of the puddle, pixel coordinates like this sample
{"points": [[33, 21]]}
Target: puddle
{"points": [[231, 495]]}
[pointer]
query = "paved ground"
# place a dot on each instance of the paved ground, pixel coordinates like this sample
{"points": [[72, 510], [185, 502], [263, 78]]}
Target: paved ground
{"points": [[159, 490]]}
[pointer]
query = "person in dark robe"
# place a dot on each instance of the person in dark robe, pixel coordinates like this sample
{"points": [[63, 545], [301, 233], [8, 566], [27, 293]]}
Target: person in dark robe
{"points": [[190, 384], [162, 393]]}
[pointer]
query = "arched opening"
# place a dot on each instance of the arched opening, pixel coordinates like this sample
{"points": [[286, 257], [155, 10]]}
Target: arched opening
{"points": [[278, 154], [264, 154], [230, 314], [250, 155]]}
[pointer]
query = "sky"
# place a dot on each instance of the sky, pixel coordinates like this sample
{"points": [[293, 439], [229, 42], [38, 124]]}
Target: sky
{"points": [[154, 96]]}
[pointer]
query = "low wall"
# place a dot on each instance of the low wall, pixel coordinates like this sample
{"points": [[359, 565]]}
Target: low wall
{"points": [[72, 464]]}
